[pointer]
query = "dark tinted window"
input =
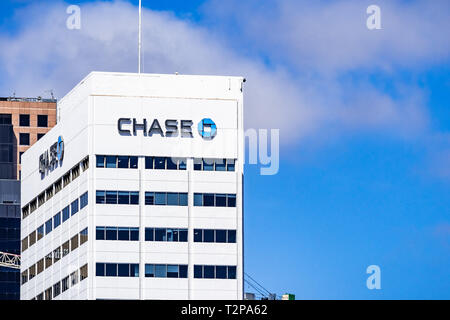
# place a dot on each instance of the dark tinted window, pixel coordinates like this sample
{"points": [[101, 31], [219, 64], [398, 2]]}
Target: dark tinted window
{"points": [[24, 120], [42, 120], [24, 139]]}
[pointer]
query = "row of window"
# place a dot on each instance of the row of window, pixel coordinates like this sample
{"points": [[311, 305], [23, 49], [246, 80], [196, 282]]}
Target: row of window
{"points": [[116, 197], [165, 234], [214, 200], [24, 139], [64, 284], [166, 198], [216, 236], [214, 164], [164, 271], [123, 162], [117, 233], [55, 255], [214, 272], [42, 120], [117, 270], [165, 163], [56, 187], [55, 222]]}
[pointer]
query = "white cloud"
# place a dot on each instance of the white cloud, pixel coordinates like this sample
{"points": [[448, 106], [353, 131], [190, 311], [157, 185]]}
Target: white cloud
{"points": [[44, 55]]}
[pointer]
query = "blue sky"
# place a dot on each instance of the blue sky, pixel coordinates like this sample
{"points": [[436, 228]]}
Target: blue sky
{"points": [[364, 121]]}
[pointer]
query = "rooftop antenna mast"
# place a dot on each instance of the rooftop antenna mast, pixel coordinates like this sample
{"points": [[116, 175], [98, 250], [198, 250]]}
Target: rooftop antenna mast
{"points": [[140, 36]]}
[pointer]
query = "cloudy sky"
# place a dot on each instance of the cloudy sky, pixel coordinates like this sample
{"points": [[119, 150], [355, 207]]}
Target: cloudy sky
{"points": [[364, 121]]}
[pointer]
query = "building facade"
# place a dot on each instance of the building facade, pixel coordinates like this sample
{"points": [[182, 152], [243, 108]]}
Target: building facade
{"points": [[136, 193], [23, 121]]}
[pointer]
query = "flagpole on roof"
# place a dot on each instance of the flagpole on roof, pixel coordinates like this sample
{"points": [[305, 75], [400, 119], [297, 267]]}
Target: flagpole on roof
{"points": [[140, 35]]}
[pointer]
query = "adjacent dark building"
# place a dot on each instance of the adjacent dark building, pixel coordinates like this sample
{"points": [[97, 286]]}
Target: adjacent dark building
{"points": [[23, 121]]}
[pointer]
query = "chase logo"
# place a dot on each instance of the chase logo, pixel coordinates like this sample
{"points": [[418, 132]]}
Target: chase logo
{"points": [[207, 129]]}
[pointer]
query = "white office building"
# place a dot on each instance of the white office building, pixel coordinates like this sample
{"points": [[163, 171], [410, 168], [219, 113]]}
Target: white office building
{"points": [[136, 193]]}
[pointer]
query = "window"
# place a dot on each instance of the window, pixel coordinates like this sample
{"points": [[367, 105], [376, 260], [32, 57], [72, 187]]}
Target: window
{"points": [[58, 186], [148, 162], [48, 294], [56, 289], [74, 242], [83, 272], [172, 164], [83, 200], [221, 200], [100, 197], [231, 165], [40, 135], [74, 278], [149, 234], [123, 234], [56, 254], [221, 236], [24, 120], [24, 244], [208, 235], [42, 120], [111, 197], [75, 172], [66, 213], [111, 162], [65, 284], [231, 236], [100, 269], [83, 236], [32, 238], [40, 296], [49, 192], [208, 164], [5, 118], [32, 271], [48, 260], [220, 164], [100, 233], [66, 179], [123, 162], [41, 199], [149, 198], [208, 200], [160, 234], [74, 207], [24, 277], [40, 232], [40, 266], [65, 248], [133, 162], [85, 164], [20, 157], [48, 226], [100, 161], [111, 233], [160, 163]]}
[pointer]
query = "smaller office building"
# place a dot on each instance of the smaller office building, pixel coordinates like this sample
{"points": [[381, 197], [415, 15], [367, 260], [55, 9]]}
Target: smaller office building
{"points": [[136, 193]]}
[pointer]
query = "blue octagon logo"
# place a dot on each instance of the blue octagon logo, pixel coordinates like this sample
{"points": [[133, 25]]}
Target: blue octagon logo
{"points": [[207, 129]]}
